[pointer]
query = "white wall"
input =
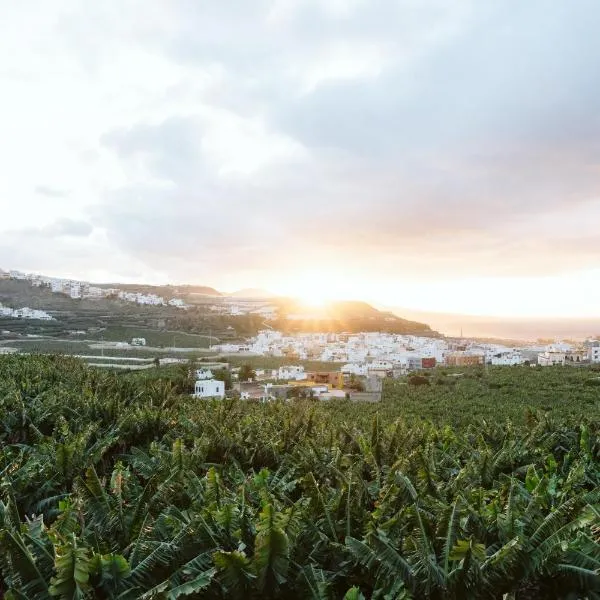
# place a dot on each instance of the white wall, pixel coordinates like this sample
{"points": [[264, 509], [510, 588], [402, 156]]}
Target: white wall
{"points": [[209, 388]]}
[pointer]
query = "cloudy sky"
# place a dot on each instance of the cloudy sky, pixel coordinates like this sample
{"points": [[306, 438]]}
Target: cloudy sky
{"points": [[421, 153]]}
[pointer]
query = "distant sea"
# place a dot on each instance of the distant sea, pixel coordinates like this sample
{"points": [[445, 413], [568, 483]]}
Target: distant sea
{"points": [[525, 329]]}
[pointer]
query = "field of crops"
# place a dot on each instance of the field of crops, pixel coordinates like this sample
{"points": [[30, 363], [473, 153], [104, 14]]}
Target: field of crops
{"points": [[78, 347], [461, 396], [120, 485], [156, 338]]}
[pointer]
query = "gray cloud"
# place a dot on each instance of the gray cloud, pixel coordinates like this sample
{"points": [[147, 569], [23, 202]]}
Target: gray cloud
{"points": [[170, 149], [477, 118]]}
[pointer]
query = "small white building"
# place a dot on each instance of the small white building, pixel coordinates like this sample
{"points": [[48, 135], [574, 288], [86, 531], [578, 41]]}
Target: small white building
{"points": [[203, 374], [209, 388], [94, 292], [551, 358], [138, 341], [178, 302], [594, 352], [291, 373], [75, 290], [354, 369], [507, 358]]}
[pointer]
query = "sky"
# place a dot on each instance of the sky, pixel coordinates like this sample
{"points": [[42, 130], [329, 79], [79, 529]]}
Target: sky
{"points": [[443, 156]]}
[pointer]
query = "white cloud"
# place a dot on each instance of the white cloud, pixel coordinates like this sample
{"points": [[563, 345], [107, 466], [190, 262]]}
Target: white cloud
{"points": [[238, 145], [341, 61], [418, 140]]}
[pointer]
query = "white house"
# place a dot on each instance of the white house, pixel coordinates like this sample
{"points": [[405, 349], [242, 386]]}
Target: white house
{"points": [[203, 374], [209, 388], [291, 373], [178, 302], [25, 313], [94, 292], [380, 365], [551, 358], [75, 290], [594, 352], [507, 358], [354, 369], [138, 341]]}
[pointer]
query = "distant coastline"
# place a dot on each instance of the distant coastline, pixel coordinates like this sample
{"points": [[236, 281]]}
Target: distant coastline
{"points": [[521, 328]]}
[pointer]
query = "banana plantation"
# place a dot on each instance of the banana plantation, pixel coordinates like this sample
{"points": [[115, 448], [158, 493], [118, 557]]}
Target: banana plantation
{"points": [[123, 486]]}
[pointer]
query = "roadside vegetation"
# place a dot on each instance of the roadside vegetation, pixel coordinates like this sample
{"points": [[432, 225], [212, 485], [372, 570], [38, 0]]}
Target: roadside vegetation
{"points": [[120, 485]]}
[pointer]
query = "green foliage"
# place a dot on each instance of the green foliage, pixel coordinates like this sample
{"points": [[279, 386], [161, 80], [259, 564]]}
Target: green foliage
{"points": [[72, 565], [247, 372], [125, 487], [225, 376], [463, 396]]}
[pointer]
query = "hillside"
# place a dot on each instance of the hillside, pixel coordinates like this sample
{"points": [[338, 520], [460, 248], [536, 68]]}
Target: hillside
{"points": [[252, 293], [345, 316], [294, 316]]}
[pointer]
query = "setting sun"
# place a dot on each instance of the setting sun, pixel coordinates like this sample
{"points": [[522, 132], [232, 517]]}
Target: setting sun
{"points": [[314, 289], [314, 300]]}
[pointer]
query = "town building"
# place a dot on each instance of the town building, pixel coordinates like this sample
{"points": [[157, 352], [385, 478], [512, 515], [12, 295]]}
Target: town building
{"points": [[93, 292], [75, 290], [290, 373], [380, 368], [355, 369], [551, 358], [209, 388], [335, 379], [507, 358], [594, 352], [463, 359], [202, 374]]}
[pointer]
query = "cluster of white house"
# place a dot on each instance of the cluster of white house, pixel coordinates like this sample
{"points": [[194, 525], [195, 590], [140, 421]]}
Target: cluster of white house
{"points": [[374, 356], [149, 299], [81, 289], [564, 354], [24, 313], [367, 352], [361, 352]]}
